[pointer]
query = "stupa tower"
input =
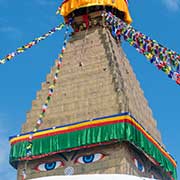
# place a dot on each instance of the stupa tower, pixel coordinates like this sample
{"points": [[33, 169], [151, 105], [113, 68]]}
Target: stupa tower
{"points": [[98, 120]]}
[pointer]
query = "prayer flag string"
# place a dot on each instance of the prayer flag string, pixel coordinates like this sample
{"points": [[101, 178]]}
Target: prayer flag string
{"points": [[50, 93], [31, 44], [163, 58]]}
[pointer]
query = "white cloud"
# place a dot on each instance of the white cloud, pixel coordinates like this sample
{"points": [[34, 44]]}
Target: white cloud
{"points": [[173, 5], [8, 29], [3, 151], [4, 144], [11, 32], [6, 171]]}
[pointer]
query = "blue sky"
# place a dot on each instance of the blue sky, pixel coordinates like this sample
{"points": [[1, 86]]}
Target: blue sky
{"points": [[21, 21]]}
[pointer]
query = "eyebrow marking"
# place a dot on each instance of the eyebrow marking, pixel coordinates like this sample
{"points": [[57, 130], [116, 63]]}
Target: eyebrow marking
{"points": [[73, 156], [63, 156]]}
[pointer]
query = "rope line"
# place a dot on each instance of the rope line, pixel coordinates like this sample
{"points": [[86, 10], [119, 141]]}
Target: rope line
{"points": [[163, 58], [21, 49], [45, 105], [50, 93]]}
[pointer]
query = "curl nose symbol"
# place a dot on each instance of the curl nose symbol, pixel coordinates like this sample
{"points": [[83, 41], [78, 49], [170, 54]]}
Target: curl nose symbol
{"points": [[69, 171]]}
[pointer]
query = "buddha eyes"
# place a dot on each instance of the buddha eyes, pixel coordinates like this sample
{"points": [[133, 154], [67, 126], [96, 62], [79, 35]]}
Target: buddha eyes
{"points": [[86, 159], [49, 166]]}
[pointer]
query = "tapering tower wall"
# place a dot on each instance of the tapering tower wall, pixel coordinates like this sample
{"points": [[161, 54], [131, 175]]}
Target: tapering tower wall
{"points": [[96, 80]]}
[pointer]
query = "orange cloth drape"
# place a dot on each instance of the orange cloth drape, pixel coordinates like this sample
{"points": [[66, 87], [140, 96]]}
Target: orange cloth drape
{"points": [[70, 5]]}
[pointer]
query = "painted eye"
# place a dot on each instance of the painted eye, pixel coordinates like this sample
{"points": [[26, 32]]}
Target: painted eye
{"points": [[153, 176], [89, 158], [49, 166], [139, 165]]}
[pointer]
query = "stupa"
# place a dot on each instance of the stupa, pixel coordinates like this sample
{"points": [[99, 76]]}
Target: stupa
{"points": [[98, 120]]}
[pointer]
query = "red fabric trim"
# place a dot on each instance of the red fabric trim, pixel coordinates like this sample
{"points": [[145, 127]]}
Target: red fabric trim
{"points": [[71, 149], [96, 125]]}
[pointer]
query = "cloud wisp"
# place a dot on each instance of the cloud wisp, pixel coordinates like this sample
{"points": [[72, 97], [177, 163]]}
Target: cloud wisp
{"points": [[10, 31], [6, 171], [173, 5]]}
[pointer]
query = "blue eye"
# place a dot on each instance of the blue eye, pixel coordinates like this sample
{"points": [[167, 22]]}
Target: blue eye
{"points": [[139, 165], [49, 166], [89, 158]]}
